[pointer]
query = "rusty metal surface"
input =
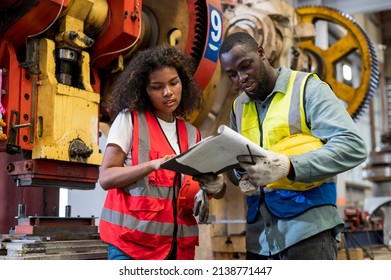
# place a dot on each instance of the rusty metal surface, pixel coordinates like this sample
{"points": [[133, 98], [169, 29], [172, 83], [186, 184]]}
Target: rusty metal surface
{"points": [[50, 173], [57, 228], [53, 250], [57, 238]]}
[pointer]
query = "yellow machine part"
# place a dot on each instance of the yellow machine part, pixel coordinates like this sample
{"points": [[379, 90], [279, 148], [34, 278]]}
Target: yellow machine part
{"points": [[295, 144], [66, 115], [354, 40]]}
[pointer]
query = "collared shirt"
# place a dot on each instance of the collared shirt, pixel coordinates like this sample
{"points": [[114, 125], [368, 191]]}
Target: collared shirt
{"points": [[344, 149]]}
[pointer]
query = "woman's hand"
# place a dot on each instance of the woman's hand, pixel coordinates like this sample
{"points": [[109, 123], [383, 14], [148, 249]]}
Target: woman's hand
{"points": [[156, 163]]}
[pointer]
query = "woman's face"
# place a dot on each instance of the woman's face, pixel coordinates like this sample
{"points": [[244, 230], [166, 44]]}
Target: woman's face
{"points": [[164, 89]]}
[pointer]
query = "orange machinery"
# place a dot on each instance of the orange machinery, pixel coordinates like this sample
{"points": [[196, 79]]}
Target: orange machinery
{"points": [[57, 58]]}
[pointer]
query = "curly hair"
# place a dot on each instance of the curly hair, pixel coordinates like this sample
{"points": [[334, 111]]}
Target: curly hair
{"points": [[129, 89]]}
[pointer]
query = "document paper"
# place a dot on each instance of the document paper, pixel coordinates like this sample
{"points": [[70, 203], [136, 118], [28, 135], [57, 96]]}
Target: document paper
{"points": [[214, 154]]}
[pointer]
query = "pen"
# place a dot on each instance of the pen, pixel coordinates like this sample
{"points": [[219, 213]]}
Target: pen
{"points": [[251, 155]]}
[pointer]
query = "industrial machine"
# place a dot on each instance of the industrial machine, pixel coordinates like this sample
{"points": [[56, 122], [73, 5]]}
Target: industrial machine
{"points": [[58, 58]]}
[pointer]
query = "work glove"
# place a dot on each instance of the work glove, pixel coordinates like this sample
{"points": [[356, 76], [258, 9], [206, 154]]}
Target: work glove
{"points": [[201, 207], [210, 183], [263, 170]]}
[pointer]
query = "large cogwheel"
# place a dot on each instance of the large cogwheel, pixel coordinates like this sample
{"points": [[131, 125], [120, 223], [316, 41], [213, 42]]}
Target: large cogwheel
{"points": [[354, 41]]}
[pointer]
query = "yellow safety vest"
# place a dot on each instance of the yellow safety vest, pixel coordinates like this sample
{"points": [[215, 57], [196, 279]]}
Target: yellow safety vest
{"points": [[285, 117]]}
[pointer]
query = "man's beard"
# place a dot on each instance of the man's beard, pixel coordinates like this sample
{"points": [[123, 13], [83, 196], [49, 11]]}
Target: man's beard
{"points": [[261, 92]]}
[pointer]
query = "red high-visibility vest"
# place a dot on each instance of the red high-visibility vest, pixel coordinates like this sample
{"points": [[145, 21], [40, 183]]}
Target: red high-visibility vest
{"points": [[145, 219]]}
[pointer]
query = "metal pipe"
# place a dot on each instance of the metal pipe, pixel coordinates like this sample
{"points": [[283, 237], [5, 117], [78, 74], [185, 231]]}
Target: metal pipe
{"points": [[21, 210], [68, 209]]}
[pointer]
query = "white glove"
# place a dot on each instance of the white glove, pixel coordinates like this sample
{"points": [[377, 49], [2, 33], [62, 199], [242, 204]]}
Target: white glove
{"points": [[265, 169], [201, 207], [210, 183]]}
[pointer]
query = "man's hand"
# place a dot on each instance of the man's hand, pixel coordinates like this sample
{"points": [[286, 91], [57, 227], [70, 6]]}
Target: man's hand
{"points": [[265, 169], [210, 183], [201, 207]]}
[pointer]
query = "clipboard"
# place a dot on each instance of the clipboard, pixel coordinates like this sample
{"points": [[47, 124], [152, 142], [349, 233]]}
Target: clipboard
{"points": [[214, 154]]}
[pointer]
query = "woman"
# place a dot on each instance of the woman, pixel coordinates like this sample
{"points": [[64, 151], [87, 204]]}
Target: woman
{"points": [[148, 212]]}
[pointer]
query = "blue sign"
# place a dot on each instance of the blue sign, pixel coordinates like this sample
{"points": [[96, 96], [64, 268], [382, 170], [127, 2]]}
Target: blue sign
{"points": [[215, 34]]}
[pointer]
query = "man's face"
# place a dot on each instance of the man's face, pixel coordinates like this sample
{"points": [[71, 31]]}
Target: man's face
{"points": [[246, 70]]}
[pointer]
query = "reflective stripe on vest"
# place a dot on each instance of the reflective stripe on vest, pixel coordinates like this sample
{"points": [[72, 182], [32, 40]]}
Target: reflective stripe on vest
{"points": [[141, 219], [285, 116]]}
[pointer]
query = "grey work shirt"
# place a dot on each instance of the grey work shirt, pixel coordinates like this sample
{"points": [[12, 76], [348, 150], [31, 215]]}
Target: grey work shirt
{"points": [[344, 149]]}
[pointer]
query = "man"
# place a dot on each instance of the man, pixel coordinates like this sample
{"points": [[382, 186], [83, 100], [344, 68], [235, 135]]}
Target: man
{"points": [[291, 196]]}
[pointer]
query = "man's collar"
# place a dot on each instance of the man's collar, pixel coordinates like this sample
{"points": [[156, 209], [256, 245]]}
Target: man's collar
{"points": [[283, 80]]}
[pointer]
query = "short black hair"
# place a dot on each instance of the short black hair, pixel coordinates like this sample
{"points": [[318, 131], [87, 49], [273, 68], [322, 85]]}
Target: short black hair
{"points": [[238, 38]]}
